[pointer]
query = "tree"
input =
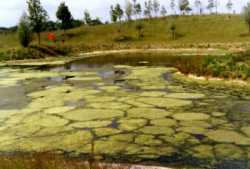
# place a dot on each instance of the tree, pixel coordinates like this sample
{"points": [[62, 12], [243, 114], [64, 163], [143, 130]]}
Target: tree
{"points": [[87, 17], [173, 31], [37, 16], [211, 5], [146, 11], [163, 11], [134, 3], [128, 10], [138, 9], [198, 6], [216, 6], [156, 7], [77, 23], [63, 14], [229, 5], [172, 6], [246, 14], [89, 21], [96, 21], [184, 6], [24, 31], [148, 8], [134, 8], [119, 12], [52, 26], [113, 15]]}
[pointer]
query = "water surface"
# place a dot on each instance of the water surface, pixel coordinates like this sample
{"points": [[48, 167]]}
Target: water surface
{"points": [[136, 113]]}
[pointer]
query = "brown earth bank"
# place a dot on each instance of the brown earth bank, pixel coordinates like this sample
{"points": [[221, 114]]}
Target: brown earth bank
{"points": [[54, 161]]}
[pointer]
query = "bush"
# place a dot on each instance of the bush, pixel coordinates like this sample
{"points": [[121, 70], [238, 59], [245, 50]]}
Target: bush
{"points": [[2, 56], [227, 67], [123, 38], [139, 27], [173, 31], [24, 32]]}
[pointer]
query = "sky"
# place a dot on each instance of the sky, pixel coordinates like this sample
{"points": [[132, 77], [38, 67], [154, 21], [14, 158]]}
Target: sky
{"points": [[11, 10]]}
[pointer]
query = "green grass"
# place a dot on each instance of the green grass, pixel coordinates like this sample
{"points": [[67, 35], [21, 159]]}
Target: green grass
{"points": [[8, 41], [193, 31]]}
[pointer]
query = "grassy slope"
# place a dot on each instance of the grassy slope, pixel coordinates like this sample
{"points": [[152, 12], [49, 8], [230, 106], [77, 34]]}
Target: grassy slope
{"points": [[8, 41], [193, 30]]}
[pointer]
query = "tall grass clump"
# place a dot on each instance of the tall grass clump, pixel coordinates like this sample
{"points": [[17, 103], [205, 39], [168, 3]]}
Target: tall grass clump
{"points": [[233, 67]]}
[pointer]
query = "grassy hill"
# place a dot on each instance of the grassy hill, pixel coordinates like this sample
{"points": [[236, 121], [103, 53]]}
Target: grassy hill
{"points": [[193, 31]]}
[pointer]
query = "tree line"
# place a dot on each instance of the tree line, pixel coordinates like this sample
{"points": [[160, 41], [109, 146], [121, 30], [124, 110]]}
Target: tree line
{"points": [[152, 8]]}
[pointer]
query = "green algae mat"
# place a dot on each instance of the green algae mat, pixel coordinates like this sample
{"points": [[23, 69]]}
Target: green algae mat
{"points": [[119, 113]]}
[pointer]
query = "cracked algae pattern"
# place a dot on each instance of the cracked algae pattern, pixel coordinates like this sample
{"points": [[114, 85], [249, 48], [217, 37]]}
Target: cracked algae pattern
{"points": [[136, 113]]}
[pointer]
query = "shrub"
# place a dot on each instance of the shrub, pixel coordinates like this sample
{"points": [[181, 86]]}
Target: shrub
{"points": [[2, 56], [24, 32], [227, 67], [123, 38], [173, 30], [139, 27]]}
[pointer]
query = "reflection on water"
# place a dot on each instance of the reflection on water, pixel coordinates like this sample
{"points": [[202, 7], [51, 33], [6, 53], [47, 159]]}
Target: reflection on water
{"points": [[137, 114]]}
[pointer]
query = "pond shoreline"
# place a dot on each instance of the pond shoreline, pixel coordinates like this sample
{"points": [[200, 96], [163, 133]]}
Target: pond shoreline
{"points": [[53, 61], [232, 82], [82, 55], [56, 160]]}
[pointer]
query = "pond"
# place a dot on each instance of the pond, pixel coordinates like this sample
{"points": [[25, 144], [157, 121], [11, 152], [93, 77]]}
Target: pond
{"points": [[134, 113]]}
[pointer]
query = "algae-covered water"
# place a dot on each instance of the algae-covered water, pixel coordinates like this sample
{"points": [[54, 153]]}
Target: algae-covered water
{"points": [[121, 113]]}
